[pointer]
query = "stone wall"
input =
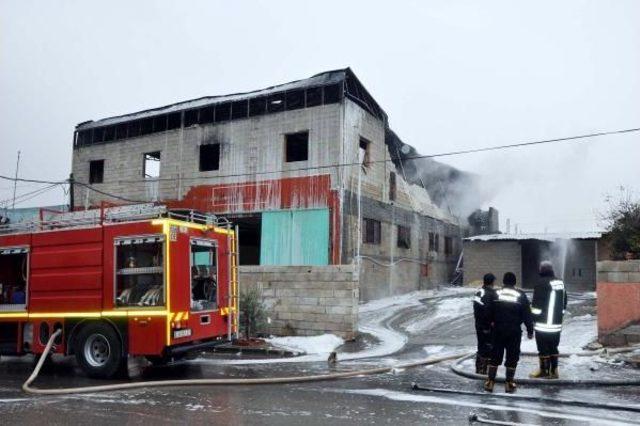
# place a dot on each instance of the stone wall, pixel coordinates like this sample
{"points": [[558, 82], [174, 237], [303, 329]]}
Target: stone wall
{"points": [[618, 297], [496, 257], [307, 300]]}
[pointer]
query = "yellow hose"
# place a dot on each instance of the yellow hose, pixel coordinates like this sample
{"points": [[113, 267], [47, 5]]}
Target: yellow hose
{"points": [[202, 382]]}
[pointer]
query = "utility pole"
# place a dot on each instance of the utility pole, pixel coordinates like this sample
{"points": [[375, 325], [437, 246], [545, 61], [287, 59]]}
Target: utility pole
{"points": [[15, 182]]}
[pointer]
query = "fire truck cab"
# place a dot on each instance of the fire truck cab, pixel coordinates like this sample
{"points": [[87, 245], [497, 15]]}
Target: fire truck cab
{"points": [[121, 281]]}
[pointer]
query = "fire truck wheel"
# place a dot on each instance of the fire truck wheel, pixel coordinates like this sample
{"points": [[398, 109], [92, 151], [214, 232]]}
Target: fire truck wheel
{"points": [[99, 350]]}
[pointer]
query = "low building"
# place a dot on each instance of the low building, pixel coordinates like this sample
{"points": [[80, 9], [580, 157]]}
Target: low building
{"points": [[573, 255]]}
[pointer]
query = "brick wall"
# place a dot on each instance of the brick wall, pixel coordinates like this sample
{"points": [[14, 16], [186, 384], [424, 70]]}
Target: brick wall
{"points": [[618, 295], [307, 300], [496, 257]]}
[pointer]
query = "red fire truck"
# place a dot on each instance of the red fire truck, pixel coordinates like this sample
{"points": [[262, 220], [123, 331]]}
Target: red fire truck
{"points": [[133, 280]]}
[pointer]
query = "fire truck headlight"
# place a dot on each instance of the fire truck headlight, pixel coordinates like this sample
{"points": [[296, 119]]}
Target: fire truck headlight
{"points": [[27, 336]]}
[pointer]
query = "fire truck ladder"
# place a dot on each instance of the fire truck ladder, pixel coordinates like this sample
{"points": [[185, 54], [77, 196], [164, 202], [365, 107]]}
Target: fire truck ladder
{"points": [[233, 291]]}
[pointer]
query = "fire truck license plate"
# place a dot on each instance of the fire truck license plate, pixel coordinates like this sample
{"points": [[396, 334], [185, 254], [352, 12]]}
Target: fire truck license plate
{"points": [[185, 332]]}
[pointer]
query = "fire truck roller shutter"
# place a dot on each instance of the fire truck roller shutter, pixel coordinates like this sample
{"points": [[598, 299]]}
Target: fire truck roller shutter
{"points": [[98, 348]]}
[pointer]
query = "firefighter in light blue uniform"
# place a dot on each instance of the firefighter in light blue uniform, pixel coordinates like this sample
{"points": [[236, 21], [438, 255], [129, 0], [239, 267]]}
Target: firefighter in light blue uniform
{"points": [[548, 306]]}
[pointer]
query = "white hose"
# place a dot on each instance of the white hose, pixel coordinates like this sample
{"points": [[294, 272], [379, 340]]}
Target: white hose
{"points": [[201, 382]]}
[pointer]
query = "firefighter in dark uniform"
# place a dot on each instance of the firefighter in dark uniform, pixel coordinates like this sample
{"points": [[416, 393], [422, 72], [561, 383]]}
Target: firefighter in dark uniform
{"points": [[510, 309], [484, 329], [548, 306]]}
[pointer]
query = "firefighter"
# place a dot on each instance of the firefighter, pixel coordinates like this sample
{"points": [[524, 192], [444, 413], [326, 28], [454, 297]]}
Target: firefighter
{"points": [[481, 303], [510, 309], [548, 306]]}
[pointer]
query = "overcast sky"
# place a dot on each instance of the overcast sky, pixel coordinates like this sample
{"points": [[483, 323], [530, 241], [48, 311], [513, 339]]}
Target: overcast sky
{"points": [[451, 75]]}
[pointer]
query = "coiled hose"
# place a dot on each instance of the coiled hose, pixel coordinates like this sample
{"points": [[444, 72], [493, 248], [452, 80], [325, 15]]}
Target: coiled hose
{"points": [[26, 387]]}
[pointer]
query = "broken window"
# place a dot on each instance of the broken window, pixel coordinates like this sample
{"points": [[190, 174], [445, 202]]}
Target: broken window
{"points": [[139, 271], [13, 278], [257, 106], [223, 112], [239, 109], [363, 152], [275, 102], [333, 93], [96, 171], [294, 99], [151, 165], [297, 146], [121, 131], [371, 231], [160, 123], [404, 237], [448, 246], [314, 96], [146, 126], [204, 275], [206, 115], [190, 117], [392, 186], [133, 129], [174, 120], [434, 241], [209, 157]]}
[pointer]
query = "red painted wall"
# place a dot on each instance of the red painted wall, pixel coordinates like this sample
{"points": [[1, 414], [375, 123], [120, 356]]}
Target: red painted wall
{"points": [[618, 305], [276, 194]]}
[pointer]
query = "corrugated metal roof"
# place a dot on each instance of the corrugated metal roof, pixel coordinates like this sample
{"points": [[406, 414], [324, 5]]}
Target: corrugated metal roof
{"points": [[324, 78], [590, 235]]}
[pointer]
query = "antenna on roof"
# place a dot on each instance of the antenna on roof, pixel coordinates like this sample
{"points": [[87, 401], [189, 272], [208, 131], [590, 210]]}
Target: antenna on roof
{"points": [[15, 182]]}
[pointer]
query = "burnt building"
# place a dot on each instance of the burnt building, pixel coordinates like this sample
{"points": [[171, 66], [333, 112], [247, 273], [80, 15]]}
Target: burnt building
{"points": [[309, 170]]}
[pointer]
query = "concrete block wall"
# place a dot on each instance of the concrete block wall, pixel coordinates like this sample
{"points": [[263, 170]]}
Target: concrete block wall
{"points": [[307, 300], [618, 297], [496, 257], [248, 146]]}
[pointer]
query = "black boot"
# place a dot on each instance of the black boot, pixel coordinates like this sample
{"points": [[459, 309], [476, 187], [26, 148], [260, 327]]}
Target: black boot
{"points": [[553, 367], [479, 361], [485, 365], [543, 371], [491, 379], [509, 384]]}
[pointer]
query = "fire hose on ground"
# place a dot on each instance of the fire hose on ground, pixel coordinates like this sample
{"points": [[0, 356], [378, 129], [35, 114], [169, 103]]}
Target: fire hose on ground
{"points": [[204, 382]]}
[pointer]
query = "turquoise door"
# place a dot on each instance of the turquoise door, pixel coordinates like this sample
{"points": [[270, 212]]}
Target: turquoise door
{"points": [[295, 237]]}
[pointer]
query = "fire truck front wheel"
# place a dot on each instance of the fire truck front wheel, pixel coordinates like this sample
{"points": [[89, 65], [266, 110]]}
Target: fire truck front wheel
{"points": [[99, 350]]}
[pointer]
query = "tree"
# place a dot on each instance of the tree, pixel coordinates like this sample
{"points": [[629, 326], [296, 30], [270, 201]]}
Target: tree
{"points": [[252, 312], [623, 225]]}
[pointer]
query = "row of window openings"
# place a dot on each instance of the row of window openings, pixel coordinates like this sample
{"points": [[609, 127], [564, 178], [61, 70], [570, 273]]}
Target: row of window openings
{"points": [[290, 100], [296, 149], [371, 234]]}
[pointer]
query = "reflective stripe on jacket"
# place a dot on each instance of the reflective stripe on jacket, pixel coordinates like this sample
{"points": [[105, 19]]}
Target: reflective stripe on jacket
{"points": [[548, 305]]}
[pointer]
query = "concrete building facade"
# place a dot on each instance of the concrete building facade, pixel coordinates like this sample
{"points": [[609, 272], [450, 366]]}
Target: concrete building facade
{"points": [[309, 170]]}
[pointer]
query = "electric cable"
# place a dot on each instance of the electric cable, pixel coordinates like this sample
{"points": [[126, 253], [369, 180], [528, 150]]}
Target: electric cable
{"points": [[26, 387]]}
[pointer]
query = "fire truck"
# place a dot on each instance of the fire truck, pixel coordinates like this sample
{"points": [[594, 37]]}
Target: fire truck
{"points": [[136, 280]]}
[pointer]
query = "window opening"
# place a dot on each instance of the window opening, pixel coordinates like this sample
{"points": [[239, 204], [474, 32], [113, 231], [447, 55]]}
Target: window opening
{"points": [[297, 147], [160, 123], [434, 241], [14, 269], [404, 237], [257, 106], [140, 272], [448, 246], [204, 275], [250, 237], [206, 115], [314, 96], [151, 166], [294, 99], [190, 117], [275, 102], [209, 157], [239, 109], [392, 186], [363, 153], [371, 231], [146, 126], [223, 112], [96, 171]]}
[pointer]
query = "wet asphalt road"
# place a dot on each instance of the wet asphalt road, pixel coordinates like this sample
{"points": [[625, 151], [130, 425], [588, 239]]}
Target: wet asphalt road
{"points": [[382, 399]]}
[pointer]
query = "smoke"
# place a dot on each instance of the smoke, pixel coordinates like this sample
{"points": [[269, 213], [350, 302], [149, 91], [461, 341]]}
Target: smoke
{"points": [[460, 193]]}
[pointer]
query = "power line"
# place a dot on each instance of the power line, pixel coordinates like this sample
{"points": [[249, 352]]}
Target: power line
{"points": [[108, 194], [28, 195], [408, 158]]}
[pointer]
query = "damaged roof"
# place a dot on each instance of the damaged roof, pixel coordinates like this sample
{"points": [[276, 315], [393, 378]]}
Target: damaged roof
{"points": [[324, 88]]}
